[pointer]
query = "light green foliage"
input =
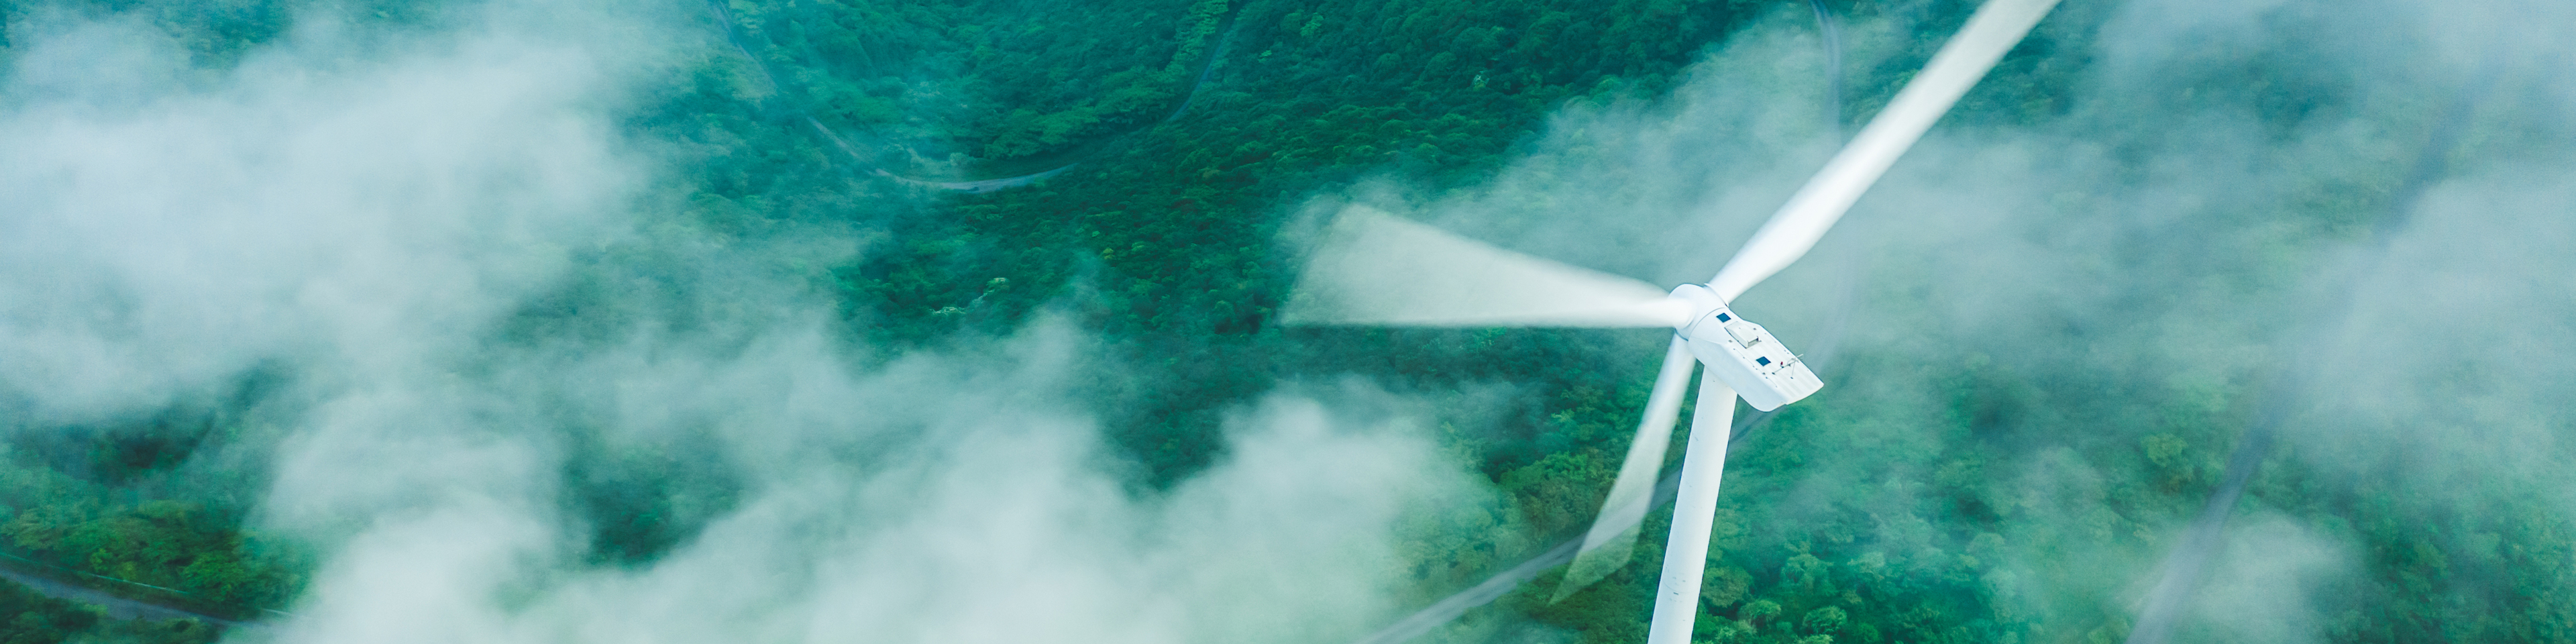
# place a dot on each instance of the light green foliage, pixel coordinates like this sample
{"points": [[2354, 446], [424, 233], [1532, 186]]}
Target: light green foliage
{"points": [[1721, 588], [52, 519], [1760, 611], [1823, 621], [198, 553]]}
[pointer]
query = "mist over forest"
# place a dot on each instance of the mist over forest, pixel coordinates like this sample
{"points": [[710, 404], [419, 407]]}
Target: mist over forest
{"points": [[958, 321]]}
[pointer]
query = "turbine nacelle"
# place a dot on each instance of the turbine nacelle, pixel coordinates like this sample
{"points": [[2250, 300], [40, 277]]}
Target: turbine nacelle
{"points": [[1742, 354], [1376, 269]]}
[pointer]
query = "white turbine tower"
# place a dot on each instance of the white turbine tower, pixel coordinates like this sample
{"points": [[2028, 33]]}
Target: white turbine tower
{"points": [[1374, 269]]}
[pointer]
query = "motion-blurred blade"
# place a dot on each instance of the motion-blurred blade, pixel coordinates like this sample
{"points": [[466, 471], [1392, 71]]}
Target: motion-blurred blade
{"points": [[1375, 268], [1694, 510], [1613, 536], [1994, 29]]}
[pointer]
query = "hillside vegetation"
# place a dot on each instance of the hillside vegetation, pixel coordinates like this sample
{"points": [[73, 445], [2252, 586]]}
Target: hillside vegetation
{"points": [[1947, 486]]}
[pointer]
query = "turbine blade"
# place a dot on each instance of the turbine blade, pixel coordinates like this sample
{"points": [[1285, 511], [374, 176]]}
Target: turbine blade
{"points": [[1993, 30], [1375, 268], [1613, 536], [1694, 509]]}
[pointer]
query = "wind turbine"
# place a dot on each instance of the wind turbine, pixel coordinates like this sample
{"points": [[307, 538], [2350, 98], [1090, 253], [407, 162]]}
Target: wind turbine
{"points": [[1376, 269]]}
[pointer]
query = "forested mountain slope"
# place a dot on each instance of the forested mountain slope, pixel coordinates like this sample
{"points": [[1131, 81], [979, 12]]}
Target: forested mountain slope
{"points": [[2043, 336]]}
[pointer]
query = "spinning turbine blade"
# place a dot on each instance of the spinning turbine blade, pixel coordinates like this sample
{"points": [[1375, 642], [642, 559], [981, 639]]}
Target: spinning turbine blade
{"points": [[1794, 229], [1686, 553], [1993, 30], [1613, 536], [1375, 268]]}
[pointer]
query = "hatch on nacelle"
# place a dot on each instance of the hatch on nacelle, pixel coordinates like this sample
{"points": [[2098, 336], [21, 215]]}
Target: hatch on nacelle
{"points": [[1746, 356]]}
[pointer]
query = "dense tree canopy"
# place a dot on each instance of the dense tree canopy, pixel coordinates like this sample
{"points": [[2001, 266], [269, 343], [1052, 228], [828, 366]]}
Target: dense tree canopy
{"points": [[1165, 239]]}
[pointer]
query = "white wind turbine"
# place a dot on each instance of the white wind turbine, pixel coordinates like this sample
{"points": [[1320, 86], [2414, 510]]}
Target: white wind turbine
{"points": [[1374, 269]]}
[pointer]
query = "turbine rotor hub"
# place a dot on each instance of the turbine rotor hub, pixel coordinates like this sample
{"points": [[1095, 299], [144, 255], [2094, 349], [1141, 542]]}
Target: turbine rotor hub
{"points": [[1742, 354]]}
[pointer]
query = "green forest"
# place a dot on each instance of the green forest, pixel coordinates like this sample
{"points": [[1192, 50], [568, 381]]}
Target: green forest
{"points": [[1978, 468]]}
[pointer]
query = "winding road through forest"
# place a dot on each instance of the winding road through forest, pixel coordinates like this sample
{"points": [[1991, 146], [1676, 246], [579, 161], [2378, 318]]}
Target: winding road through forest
{"points": [[1420, 622], [1225, 26], [44, 580]]}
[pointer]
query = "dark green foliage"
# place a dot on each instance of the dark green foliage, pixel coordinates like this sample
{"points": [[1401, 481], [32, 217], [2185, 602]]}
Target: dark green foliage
{"points": [[166, 631], [1162, 242], [214, 33], [36, 619], [1170, 230], [117, 500], [29, 617], [200, 555], [118, 455], [1004, 81], [1896, 509], [641, 502]]}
